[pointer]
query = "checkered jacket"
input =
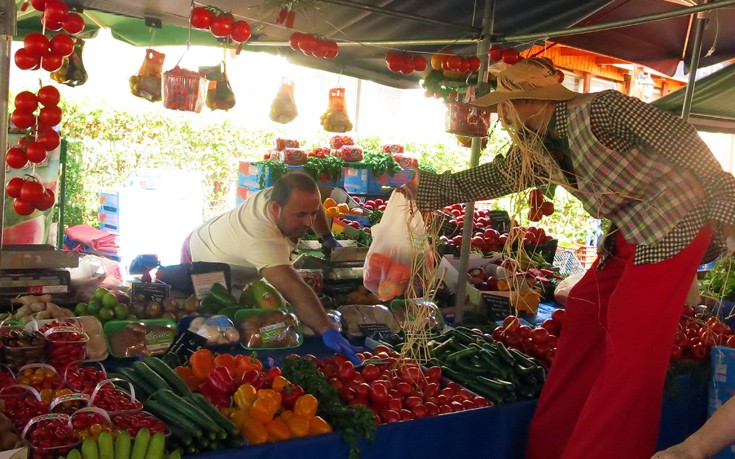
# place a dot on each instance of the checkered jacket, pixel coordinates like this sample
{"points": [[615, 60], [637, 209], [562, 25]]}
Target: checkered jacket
{"points": [[646, 170]]}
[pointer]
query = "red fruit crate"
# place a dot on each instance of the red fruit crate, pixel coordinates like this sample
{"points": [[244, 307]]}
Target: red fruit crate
{"points": [[586, 254]]}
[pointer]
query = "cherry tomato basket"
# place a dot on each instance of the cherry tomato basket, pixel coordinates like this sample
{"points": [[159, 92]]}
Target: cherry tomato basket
{"points": [[65, 345], [50, 436], [19, 347], [7, 376], [467, 120], [42, 377], [90, 422], [83, 376], [22, 403], [114, 400], [142, 420], [69, 403], [184, 90]]}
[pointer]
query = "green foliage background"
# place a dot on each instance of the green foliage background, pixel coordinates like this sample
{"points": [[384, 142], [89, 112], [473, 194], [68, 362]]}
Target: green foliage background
{"points": [[107, 146]]}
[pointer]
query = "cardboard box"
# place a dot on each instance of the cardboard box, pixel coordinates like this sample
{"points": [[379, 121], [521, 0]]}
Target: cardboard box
{"points": [[722, 387], [241, 194], [109, 202], [249, 175], [18, 453], [362, 180]]}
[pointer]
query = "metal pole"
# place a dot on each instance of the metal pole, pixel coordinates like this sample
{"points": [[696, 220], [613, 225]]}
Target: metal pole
{"points": [[464, 254], [7, 31], [696, 53], [616, 24], [400, 14]]}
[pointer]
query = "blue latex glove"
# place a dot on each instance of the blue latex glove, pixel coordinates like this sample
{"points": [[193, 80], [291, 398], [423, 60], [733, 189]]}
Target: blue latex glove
{"points": [[336, 342], [329, 242]]}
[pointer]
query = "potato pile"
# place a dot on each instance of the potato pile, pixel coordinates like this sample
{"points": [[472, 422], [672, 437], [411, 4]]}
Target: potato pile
{"points": [[37, 307]]}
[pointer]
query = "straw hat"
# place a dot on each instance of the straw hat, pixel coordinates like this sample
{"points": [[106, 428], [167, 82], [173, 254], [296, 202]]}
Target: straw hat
{"points": [[533, 78]]}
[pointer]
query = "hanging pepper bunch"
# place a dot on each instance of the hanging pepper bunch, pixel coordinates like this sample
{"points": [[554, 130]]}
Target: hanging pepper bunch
{"points": [[507, 55], [286, 16], [222, 24]]}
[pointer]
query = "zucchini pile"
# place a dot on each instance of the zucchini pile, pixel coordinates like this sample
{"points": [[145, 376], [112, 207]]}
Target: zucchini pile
{"points": [[487, 367], [195, 424]]}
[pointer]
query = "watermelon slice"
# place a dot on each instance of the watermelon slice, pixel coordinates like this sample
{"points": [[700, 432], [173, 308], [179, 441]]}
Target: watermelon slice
{"points": [[27, 232]]}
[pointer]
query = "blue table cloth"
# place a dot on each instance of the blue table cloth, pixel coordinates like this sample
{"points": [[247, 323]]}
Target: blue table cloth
{"points": [[495, 432]]}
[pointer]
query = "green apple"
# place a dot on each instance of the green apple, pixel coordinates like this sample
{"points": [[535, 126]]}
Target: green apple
{"points": [[109, 300], [121, 311], [100, 292], [81, 309], [94, 306], [106, 313]]}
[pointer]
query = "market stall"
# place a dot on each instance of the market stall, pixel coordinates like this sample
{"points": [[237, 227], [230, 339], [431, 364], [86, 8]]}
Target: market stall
{"points": [[191, 365]]}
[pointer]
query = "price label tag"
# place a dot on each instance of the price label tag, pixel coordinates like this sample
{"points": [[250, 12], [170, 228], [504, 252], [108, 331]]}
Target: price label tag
{"points": [[203, 282], [186, 344]]}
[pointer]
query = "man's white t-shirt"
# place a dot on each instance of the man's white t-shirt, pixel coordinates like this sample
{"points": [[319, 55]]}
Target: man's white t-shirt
{"points": [[245, 236]]}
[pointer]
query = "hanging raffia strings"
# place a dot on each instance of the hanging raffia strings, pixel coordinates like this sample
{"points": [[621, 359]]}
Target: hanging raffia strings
{"points": [[420, 314]]}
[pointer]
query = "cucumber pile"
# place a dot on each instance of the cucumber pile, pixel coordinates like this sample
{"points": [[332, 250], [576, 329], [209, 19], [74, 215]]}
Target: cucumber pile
{"points": [[195, 424], [144, 446], [487, 367]]}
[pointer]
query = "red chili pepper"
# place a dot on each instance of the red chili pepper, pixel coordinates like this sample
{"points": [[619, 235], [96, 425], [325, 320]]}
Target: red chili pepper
{"points": [[290, 18]]}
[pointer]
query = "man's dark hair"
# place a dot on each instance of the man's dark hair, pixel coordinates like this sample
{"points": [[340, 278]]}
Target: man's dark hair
{"points": [[285, 185]]}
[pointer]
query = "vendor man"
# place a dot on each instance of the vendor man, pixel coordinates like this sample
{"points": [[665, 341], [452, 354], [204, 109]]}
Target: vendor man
{"points": [[260, 235]]}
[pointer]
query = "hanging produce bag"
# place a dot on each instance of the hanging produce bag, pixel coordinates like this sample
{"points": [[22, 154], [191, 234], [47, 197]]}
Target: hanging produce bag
{"points": [[464, 119], [397, 240], [219, 94], [283, 108], [184, 90], [147, 82], [335, 119], [72, 72]]}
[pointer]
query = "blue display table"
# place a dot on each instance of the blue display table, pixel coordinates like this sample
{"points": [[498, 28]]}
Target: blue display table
{"points": [[500, 432]]}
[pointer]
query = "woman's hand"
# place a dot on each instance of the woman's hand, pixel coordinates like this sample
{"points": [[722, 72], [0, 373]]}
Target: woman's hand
{"points": [[680, 451], [411, 188]]}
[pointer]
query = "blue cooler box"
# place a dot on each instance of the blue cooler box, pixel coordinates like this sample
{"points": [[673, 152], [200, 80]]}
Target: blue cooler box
{"points": [[722, 387]]}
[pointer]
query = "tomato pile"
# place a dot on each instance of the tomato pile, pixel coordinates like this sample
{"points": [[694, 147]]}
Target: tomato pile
{"points": [[51, 438], [220, 23], [695, 337], [114, 400], [408, 63], [6, 378], [65, 345], [20, 407], [311, 45], [83, 378], [398, 389], [539, 342], [134, 422], [40, 377], [88, 424]]}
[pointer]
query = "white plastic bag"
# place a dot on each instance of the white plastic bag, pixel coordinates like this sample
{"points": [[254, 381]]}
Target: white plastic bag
{"points": [[397, 240], [561, 293]]}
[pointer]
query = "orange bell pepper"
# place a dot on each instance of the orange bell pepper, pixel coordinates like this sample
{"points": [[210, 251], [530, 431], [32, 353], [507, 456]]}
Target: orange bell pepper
{"points": [[270, 393], [318, 426], [227, 361], [254, 431], [239, 417], [202, 363], [263, 409], [306, 406], [299, 426], [186, 375], [286, 415], [278, 430], [279, 383]]}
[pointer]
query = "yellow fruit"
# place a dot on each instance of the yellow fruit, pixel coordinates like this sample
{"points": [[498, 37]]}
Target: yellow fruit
{"points": [[329, 202]]}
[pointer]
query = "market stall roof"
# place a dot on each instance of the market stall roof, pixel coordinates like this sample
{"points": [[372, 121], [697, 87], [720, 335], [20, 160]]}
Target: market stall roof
{"points": [[713, 107], [366, 30]]}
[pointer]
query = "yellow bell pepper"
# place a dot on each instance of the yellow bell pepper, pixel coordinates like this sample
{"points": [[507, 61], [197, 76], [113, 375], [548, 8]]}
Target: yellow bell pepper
{"points": [[239, 417], [263, 409], [299, 426], [278, 430], [245, 396]]}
